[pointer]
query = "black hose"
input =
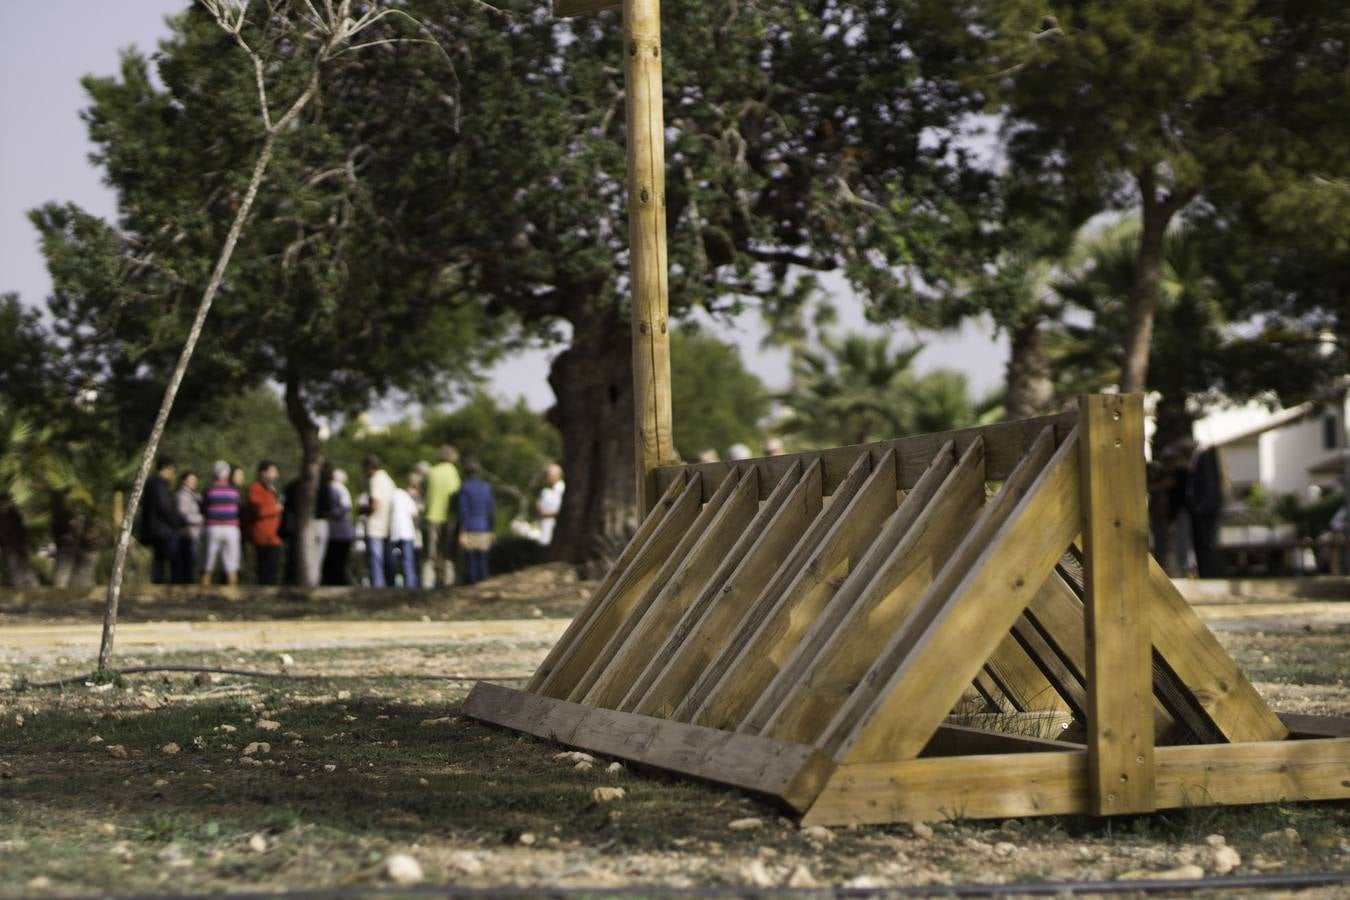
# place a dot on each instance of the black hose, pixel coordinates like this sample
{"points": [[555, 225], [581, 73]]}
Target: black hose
{"points": [[249, 673], [1041, 889]]}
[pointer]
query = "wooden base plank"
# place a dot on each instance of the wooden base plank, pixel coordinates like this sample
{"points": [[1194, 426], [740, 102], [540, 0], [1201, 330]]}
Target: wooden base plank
{"points": [[791, 773], [1056, 783]]}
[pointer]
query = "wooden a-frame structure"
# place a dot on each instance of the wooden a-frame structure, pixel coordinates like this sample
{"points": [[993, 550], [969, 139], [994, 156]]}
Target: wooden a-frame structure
{"points": [[803, 626]]}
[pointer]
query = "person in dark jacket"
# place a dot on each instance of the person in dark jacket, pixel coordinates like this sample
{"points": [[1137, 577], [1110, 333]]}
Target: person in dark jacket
{"points": [[160, 520], [477, 518], [1204, 501]]}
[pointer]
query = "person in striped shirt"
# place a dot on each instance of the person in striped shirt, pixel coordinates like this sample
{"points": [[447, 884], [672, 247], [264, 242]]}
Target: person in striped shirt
{"points": [[221, 507]]}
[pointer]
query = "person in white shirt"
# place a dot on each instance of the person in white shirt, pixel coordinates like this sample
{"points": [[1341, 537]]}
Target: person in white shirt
{"points": [[550, 502], [403, 533], [381, 490]]}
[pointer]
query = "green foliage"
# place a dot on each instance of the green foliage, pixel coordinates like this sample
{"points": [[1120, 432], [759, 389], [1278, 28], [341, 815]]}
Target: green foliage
{"points": [[857, 390], [241, 429], [717, 401]]}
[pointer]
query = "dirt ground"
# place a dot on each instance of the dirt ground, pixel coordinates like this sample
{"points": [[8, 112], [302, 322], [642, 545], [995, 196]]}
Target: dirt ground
{"points": [[327, 777]]}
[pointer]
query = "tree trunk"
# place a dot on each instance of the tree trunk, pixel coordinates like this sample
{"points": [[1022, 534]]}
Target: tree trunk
{"points": [[593, 383], [16, 566], [1031, 389], [311, 461], [1156, 215]]}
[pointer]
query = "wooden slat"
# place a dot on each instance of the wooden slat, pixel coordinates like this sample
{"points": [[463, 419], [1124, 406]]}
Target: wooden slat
{"points": [[1022, 680], [967, 611], [854, 628], [793, 773], [637, 579], [1200, 662], [612, 578], [847, 540], [673, 562], [1067, 682], [709, 621], [1115, 551], [1305, 726], [566, 8], [702, 572], [992, 694], [1037, 784], [1005, 444]]}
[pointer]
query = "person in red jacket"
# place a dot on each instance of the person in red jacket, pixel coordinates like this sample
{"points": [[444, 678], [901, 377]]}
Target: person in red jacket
{"points": [[263, 520]]}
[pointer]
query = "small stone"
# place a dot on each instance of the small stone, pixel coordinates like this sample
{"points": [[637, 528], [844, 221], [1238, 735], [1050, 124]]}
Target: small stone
{"points": [[866, 882], [574, 756], [527, 839], [582, 767], [466, 862], [1180, 873], [286, 660], [422, 782], [161, 782], [94, 740], [250, 761], [170, 749], [1004, 849], [257, 747], [607, 794], [747, 824], [107, 829], [1226, 859], [802, 879], [267, 725], [330, 768], [920, 830], [614, 768], [403, 869], [429, 723], [257, 843], [117, 751], [757, 874], [149, 702], [18, 719], [40, 883], [344, 695], [1216, 840], [171, 854], [818, 833], [226, 729]]}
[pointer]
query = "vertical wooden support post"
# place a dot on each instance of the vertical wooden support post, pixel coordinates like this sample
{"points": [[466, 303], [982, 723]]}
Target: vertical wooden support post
{"points": [[1119, 662], [647, 242]]}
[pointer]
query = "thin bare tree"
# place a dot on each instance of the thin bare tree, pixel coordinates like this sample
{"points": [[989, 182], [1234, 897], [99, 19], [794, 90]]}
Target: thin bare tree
{"points": [[332, 28]]}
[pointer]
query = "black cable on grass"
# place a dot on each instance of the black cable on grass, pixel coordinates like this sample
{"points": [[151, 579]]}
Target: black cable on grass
{"points": [[249, 673]]}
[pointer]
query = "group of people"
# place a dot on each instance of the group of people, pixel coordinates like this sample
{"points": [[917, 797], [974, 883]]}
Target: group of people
{"points": [[410, 535]]}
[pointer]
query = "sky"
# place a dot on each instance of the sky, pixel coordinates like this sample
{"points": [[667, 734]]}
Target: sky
{"points": [[47, 45]]}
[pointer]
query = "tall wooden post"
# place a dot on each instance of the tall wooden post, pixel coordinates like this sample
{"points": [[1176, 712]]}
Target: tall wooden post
{"points": [[647, 242]]}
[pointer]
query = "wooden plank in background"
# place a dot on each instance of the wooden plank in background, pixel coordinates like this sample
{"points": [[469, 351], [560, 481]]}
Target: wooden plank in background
{"points": [[1115, 578], [1005, 444]]}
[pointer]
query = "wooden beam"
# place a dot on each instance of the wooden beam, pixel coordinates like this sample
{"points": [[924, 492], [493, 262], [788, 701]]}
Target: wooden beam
{"points": [[697, 574], [612, 578], [1056, 783], [1304, 726], [962, 740], [1115, 572], [1004, 445], [791, 773], [566, 8], [872, 604], [602, 655], [709, 622], [646, 143], [560, 676], [1022, 680], [965, 613], [1190, 650], [852, 533]]}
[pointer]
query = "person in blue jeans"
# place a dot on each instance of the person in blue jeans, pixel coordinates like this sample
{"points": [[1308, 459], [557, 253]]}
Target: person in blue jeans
{"points": [[477, 517]]}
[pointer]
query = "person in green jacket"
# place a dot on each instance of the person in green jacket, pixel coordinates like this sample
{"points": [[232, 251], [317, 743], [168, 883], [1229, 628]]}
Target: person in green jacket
{"points": [[439, 540]]}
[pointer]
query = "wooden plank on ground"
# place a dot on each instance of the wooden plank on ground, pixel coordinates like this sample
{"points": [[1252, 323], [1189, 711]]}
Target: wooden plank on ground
{"points": [[1216, 683], [962, 740], [854, 530], [968, 610], [768, 597], [1304, 726], [1036, 784], [676, 558], [708, 624], [793, 773], [697, 574], [855, 627], [1115, 577], [637, 579], [616, 572], [1005, 444]]}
